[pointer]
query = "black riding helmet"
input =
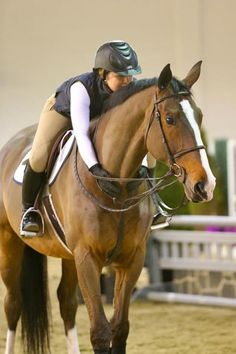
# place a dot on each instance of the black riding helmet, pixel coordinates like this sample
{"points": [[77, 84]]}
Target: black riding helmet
{"points": [[119, 57]]}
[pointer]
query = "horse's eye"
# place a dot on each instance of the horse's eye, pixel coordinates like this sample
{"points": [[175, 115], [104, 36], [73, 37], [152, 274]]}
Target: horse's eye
{"points": [[170, 120]]}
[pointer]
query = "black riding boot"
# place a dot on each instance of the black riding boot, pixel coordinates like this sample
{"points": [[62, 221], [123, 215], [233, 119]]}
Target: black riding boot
{"points": [[31, 220], [102, 351]]}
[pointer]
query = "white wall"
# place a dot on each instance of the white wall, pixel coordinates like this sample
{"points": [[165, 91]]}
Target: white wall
{"points": [[44, 42]]}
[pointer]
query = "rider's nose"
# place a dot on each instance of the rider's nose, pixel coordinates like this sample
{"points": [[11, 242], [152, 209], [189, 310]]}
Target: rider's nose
{"points": [[127, 80]]}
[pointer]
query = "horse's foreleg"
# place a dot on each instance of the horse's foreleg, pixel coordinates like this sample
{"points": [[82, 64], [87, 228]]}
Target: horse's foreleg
{"points": [[89, 272], [125, 282], [67, 293], [11, 250]]}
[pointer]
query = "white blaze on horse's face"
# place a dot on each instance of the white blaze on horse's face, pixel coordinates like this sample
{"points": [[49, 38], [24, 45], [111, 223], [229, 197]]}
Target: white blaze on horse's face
{"points": [[211, 181]]}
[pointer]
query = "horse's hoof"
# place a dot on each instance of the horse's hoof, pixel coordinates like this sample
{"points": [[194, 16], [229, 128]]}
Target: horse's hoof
{"points": [[118, 350]]}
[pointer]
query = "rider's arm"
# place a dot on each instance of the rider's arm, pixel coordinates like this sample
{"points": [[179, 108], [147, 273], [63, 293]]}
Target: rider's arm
{"points": [[80, 118]]}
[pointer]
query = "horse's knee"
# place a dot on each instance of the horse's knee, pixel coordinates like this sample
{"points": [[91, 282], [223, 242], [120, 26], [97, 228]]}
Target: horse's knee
{"points": [[100, 336]]}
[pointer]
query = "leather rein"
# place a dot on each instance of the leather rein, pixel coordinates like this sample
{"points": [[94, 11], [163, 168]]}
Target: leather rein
{"points": [[160, 182]]}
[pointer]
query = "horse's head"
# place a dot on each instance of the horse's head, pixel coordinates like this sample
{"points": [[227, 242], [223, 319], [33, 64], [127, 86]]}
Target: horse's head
{"points": [[176, 125]]}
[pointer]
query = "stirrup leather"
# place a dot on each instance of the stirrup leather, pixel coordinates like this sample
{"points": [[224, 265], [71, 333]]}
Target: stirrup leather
{"points": [[38, 216]]}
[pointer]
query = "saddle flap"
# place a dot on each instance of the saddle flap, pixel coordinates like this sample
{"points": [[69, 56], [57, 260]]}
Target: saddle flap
{"points": [[60, 153], [64, 150]]}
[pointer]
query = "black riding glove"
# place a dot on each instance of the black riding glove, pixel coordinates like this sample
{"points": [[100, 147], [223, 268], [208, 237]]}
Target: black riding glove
{"points": [[110, 187], [146, 172], [143, 173]]}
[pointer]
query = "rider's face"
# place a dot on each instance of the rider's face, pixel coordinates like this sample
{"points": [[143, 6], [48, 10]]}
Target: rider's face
{"points": [[115, 81]]}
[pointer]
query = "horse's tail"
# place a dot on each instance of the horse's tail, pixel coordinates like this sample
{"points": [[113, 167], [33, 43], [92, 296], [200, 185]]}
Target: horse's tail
{"points": [[35, 302]]}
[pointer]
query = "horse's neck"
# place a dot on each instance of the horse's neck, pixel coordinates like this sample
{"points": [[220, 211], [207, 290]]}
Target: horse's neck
{"points": [[120, 140]]}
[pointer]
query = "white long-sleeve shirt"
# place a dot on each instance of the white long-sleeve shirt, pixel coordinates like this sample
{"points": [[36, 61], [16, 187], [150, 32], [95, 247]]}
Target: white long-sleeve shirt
{"points": [[80, 118]]}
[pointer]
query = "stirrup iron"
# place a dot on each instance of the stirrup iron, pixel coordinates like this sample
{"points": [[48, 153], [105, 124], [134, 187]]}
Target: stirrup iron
{"points": [[40, 221]]}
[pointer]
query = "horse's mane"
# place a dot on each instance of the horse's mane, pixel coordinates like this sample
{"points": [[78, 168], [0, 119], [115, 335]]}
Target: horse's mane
{"points": [[125, 92], [121, 95]]}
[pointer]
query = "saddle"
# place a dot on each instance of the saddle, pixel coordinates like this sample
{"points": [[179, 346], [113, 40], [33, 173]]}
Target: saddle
{"points": [[60, 152]]}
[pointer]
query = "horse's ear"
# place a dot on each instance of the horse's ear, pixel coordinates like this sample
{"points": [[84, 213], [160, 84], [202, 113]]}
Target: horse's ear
{"points": [[193, 75], [165, 77]]}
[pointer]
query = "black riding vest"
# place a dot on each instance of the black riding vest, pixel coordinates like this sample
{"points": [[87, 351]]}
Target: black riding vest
{"points": [[96, 87]]}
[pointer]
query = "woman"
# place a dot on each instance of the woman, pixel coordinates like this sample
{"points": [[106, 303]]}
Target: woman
{"points": [[76, 102]]}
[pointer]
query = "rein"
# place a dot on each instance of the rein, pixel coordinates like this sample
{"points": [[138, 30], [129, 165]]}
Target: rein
{"points": [[162, 182]]}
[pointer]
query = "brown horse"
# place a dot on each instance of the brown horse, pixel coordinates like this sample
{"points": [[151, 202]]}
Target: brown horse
{"points": [[157, 116]]}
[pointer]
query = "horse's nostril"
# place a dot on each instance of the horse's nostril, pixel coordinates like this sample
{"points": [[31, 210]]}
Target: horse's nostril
{"points": [[200, 189]]}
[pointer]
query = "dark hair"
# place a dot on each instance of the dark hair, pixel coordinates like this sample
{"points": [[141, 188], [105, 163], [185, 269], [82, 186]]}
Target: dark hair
{"points": [[121, 95]]}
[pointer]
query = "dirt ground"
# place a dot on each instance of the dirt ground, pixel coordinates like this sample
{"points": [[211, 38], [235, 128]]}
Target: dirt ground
{"points": [[155, 328]]}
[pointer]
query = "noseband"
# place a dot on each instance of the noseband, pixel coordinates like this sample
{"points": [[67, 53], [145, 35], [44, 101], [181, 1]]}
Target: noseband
{"points": [[177, 170]]}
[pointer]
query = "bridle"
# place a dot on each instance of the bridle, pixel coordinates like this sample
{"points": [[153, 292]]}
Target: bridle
{"points": [[178, 171], [161, 182]]}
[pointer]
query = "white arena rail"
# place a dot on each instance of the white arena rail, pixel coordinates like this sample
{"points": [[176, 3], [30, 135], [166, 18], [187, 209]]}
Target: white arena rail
{"points": [[196, 250], [192, 251], [203, 220]]}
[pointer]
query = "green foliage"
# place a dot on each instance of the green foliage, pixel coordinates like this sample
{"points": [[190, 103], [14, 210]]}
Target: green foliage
{"points": [[173, 194]]}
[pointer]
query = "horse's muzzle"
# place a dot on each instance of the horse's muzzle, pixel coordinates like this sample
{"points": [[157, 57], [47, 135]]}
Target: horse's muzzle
{"points": [[198, 192]]}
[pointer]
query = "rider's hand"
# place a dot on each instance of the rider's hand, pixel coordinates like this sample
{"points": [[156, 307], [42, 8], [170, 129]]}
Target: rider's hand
{"points": [[142, 174], [110, 187], [145, 172]]}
